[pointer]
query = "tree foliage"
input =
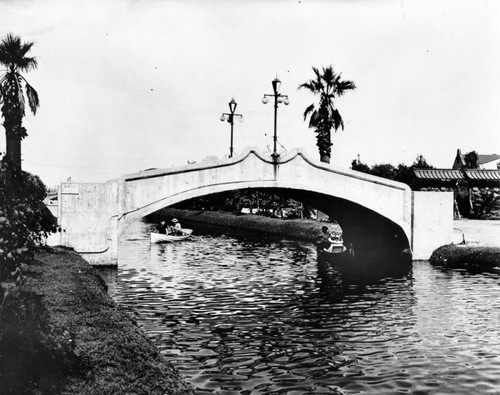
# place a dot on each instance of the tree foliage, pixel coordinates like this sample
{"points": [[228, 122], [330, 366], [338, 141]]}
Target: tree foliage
{"points": [[324, 116], [401, 173], [471, 160], [264, 203], [421, 163], [360, 166], [485, 203], [385, 170]]}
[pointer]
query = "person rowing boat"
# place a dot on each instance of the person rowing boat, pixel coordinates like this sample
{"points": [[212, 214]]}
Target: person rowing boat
{"points": [[330, 241], [176, 228]]}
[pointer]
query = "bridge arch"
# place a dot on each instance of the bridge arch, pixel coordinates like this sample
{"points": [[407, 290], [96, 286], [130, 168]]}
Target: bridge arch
{"points": [[147, 192]]}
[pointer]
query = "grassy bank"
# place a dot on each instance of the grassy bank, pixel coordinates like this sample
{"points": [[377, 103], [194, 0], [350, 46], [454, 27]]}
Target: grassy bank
{"points": [[301, 229], [62, 333], [466, 256]]}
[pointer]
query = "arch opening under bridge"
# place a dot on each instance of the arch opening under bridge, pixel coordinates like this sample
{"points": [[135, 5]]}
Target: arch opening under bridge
{"points": [[362, 227]]}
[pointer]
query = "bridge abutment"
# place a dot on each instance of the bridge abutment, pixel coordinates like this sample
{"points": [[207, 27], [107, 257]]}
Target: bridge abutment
{"points": [[88, 220], [432, 222]]}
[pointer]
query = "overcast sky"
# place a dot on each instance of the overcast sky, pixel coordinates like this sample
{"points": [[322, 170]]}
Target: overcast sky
{"points": [[129, 85]]}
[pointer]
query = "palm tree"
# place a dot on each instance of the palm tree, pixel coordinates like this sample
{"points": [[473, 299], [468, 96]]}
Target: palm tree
{"points": [[325, 116], [13, 87]]}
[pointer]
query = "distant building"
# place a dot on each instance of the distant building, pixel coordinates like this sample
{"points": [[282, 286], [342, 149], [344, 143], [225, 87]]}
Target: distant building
{"points": [[461, 179], [487, 175], [448, 178], [484, 161]]}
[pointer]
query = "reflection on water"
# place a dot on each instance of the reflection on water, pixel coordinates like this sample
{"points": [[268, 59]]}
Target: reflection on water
{"points": [[247, 315]]}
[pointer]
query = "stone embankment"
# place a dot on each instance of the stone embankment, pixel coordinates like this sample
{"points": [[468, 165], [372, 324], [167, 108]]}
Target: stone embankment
{"points": [[93, 346]]}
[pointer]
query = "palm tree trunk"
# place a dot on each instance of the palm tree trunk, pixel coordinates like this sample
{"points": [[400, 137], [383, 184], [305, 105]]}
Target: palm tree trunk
{"points": [[13, 154], [14, 132], [325, 158]]}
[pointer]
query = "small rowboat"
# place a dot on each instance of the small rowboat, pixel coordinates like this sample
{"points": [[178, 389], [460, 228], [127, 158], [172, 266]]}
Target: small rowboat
{"points": [[339, 255], [164, 238]]}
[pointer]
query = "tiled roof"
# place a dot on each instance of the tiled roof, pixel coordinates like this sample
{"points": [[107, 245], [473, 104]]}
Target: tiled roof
{"points": [[439, 174], [455, 174], [481, 174]]}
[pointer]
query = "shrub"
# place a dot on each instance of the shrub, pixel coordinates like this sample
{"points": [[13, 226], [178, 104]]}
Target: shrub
{"points": [[486, 203], [24, 222]]}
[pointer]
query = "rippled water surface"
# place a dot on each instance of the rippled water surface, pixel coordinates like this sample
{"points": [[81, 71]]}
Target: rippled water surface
{"points": [[241, 314]]}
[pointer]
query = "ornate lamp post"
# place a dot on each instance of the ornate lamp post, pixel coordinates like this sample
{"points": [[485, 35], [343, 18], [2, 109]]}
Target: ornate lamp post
{"points": [[230, 118], [278, 98]]}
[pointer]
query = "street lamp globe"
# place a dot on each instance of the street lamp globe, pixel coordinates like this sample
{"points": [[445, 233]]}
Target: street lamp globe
{"points": [[276, 85], [265, 100], [232, 105]]}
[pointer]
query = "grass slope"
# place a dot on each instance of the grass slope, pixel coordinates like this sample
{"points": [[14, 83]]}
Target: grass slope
{"points": [[81, 340]]}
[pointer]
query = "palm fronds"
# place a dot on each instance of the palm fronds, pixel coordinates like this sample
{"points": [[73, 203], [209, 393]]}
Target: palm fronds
{"points": [[32, 95], [13, 54]]}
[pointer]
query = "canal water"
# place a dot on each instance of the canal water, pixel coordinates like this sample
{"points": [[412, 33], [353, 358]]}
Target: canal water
{"points": [[247, 314]]}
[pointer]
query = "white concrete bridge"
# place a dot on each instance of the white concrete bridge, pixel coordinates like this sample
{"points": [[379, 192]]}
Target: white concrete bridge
{"points": [[93, 215]]}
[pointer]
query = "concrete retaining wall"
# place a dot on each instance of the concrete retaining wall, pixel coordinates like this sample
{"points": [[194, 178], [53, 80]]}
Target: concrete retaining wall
{"points": [[87, 215], [432, 222]]}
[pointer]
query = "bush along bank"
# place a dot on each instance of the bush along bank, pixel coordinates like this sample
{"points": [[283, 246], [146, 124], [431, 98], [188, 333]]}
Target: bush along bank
{"points": [[62, 334], [466, 256], [24, 222]]}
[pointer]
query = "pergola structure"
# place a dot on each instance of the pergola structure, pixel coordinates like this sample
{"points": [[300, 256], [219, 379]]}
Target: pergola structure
{"points": [[449, 178]]}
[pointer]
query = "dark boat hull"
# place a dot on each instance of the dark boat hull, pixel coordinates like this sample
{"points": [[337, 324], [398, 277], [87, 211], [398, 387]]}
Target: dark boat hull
{"points": [[339, 257]]}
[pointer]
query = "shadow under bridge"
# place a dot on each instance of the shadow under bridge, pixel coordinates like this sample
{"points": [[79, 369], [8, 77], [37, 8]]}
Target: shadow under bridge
{"points": [[367, 230]]}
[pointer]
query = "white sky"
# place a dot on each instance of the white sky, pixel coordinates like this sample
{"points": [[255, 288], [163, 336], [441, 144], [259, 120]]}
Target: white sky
{"points": [[129, 85]]}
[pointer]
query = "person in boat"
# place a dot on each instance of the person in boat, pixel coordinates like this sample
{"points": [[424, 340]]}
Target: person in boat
{"points": [[162, 227], [323, 241], [176, 227], [335, 240]]}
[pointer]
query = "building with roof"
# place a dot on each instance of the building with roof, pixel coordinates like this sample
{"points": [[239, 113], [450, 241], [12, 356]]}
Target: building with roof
{"points": [[491, 162], [449, 178], [462, 179], [484, 161], [487, 175]]}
